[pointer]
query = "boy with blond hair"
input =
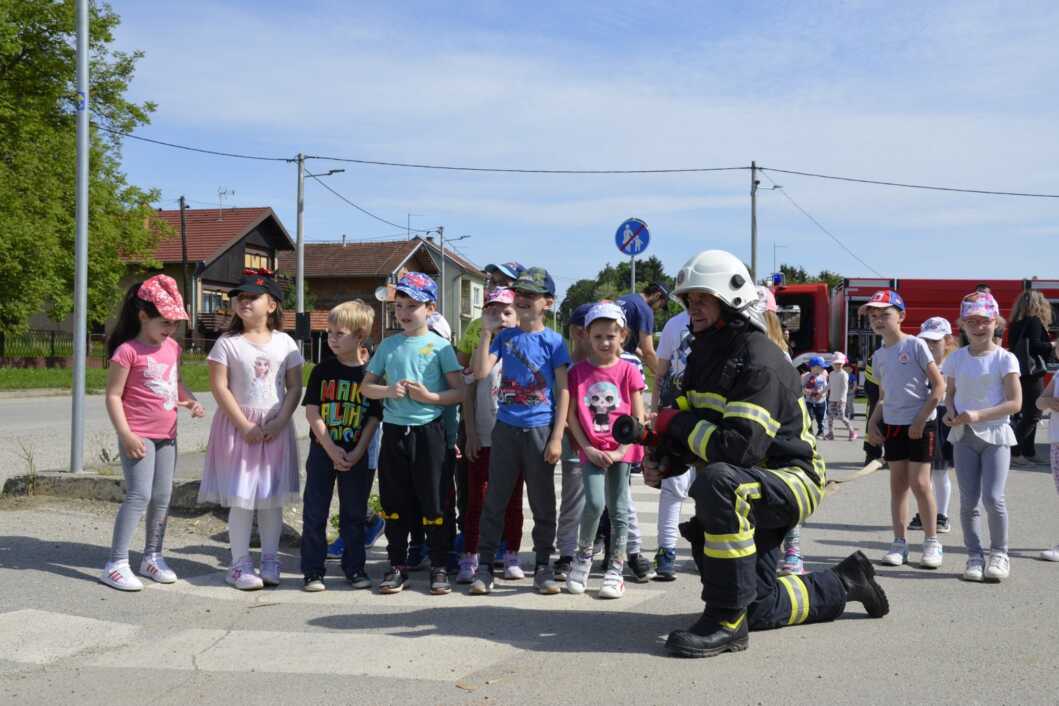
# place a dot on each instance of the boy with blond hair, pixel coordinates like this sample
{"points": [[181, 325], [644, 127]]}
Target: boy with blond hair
{"points": [[343, 423]]}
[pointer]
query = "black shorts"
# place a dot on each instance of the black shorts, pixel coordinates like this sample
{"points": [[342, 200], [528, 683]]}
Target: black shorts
{"points": [[898, 447]]}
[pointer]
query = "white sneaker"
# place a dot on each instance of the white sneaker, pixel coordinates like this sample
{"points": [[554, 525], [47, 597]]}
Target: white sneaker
{"points": [[898, 553], [1051, 554], [999, 567], [154, 566], [270, 570], [118, 574], [613, 584], [512, 569], [974, 569], [933, 554], [242, 576], [577, 577]]}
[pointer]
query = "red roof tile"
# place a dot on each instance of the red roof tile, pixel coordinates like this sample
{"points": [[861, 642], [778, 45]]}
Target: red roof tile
{"points": [[209, 232], [350, 260]]}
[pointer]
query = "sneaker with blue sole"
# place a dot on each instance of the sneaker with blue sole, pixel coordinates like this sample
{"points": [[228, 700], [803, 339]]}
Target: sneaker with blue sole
{"points": [[373, 530]]}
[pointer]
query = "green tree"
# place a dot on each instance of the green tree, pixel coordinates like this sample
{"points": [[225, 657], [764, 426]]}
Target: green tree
{"points": [[798, 275], [613, 281], [37, 158]]}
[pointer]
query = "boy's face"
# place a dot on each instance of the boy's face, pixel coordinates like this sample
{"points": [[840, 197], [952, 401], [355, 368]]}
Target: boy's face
{"points": [[606, 337], [343, 342], [816, 370], [936, 348], [411, 314], [885, 320], [531, 306]]}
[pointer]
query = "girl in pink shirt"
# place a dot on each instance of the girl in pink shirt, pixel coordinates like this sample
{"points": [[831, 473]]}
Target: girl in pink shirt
{"points": [[143, 392], [602, 388]]}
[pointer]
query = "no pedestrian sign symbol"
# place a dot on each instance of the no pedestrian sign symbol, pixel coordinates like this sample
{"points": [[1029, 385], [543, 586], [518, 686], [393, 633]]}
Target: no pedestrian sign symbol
{"points": [[632, 237]]}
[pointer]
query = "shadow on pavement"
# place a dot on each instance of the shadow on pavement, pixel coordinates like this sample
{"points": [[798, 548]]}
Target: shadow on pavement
{"points": [[75, 560], [838, 527], [535, 630]]}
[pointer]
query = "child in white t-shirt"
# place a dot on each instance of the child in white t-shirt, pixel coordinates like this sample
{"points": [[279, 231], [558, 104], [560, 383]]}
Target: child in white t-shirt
{"points": [[1049, 401], [837, 389]]}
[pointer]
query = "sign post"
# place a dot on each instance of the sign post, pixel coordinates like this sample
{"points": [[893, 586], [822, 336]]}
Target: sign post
{"points": [[632, 238]]}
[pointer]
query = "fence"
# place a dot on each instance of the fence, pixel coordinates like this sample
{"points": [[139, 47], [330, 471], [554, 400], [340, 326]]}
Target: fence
{"points": [[36, 344]]}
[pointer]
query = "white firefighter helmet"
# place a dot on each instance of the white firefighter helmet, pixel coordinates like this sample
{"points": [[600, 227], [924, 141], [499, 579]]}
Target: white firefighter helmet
{"points": [[723, 275]]}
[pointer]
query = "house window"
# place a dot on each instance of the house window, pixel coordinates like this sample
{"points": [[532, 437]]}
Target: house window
{"points": [[476, 295], [213, 301], [256, 260]]}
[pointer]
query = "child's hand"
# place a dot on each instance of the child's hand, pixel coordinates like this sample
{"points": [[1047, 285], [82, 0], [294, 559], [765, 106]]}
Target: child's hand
{"points": [[875, 437], [949, 419], [133, 446], [353, 458], [399, 389], [195, 407], [472, 447], [419, 392], [915, 430], [254, 434], [599, 459], [969, 417], [273, 427], [553, 451], [339, 458]]}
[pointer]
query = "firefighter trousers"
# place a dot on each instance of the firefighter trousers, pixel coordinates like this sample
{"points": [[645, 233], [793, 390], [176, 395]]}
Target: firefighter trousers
{"points": [[742, 515]]}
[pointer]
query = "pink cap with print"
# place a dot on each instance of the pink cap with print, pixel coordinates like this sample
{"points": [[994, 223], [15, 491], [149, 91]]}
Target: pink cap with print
{"points": [[500, 295], [979, 304], [162, 291]]}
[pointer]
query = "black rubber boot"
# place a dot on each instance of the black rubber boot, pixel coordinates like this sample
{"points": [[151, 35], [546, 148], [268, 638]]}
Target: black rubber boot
{"points": [[858, 576], [716, 632]]}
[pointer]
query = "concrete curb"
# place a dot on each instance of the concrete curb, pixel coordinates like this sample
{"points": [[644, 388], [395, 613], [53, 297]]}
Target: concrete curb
{"points": [[95, 486]]}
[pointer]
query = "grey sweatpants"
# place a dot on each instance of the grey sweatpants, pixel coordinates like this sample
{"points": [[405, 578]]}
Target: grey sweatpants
{"points": [[982, 472], [573, 501], [148, 487], [515, 449]]}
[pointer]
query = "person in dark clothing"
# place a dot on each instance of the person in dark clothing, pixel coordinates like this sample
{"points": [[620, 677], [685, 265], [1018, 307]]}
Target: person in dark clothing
{"points": [[1030, 318], [745, 425]]}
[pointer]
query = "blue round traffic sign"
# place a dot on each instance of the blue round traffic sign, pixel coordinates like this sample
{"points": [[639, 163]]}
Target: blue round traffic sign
{"points": [[632, 237]]}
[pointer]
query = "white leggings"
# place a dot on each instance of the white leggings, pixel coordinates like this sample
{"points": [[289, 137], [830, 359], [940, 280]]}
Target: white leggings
{"points": [[269, 525], [674, 492], [942, 489]]}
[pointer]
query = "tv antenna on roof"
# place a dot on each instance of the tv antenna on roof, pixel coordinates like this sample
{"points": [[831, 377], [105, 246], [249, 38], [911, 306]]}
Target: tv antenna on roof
{"points": [[221, 194]]}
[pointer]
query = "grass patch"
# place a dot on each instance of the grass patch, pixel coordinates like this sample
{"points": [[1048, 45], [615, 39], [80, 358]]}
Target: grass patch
{"points": [[196, 376]]}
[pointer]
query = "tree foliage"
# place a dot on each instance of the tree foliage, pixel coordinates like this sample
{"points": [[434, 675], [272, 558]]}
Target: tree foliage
{"points": [[613, 281], [798, 275], [38, 95]]}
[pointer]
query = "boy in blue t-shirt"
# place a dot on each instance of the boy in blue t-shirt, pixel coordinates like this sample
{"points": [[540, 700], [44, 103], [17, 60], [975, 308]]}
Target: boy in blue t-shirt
{"points": [[530, 422], [422, 378]]}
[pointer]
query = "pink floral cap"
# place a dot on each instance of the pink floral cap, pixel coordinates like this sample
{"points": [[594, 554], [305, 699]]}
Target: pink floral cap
{"points": [[979, 304], [162, 291], [500, 295]]}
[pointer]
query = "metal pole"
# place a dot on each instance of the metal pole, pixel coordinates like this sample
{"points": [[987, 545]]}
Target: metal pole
{"points": [[753, 221], [632, 278], [299, 258], [77, 431], [184, 260], [441, 294]]}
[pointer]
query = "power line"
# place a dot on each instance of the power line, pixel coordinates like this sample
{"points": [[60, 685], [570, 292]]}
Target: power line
{"points": [[216, 153], [987, 192], [364, 210], [825, 230], [513, 170]]}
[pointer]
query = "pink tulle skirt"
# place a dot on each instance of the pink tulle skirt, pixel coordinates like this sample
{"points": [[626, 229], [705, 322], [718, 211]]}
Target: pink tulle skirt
{"points": [[250, 476]]}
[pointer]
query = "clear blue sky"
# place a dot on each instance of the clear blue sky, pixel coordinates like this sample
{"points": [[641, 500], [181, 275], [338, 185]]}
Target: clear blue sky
{"points": [[950, 93]]}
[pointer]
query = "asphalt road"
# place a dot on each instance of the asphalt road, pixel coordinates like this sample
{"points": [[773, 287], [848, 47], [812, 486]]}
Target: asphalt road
{"points": [[64, 638]]}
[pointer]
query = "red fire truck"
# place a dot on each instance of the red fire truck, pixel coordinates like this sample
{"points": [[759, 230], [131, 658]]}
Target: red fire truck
{"points": [[821, 320]]}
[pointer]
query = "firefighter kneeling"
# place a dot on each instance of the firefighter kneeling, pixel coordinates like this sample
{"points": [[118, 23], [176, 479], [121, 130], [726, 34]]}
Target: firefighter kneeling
{"points": [[744, 424]]}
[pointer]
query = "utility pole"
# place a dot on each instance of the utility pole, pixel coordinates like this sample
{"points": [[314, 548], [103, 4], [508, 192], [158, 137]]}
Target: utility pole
{"points": [[753, 221], [77, 441], [299, 257], [184, 259], [441, 294]]}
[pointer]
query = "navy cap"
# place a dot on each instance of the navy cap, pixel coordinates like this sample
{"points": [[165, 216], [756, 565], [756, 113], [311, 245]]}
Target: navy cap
{"points": [[257, 281], [511, 270], [577, 318]]}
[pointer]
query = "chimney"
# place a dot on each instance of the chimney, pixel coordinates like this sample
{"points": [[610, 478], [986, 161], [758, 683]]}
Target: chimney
{"points": [[343, 240]]}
